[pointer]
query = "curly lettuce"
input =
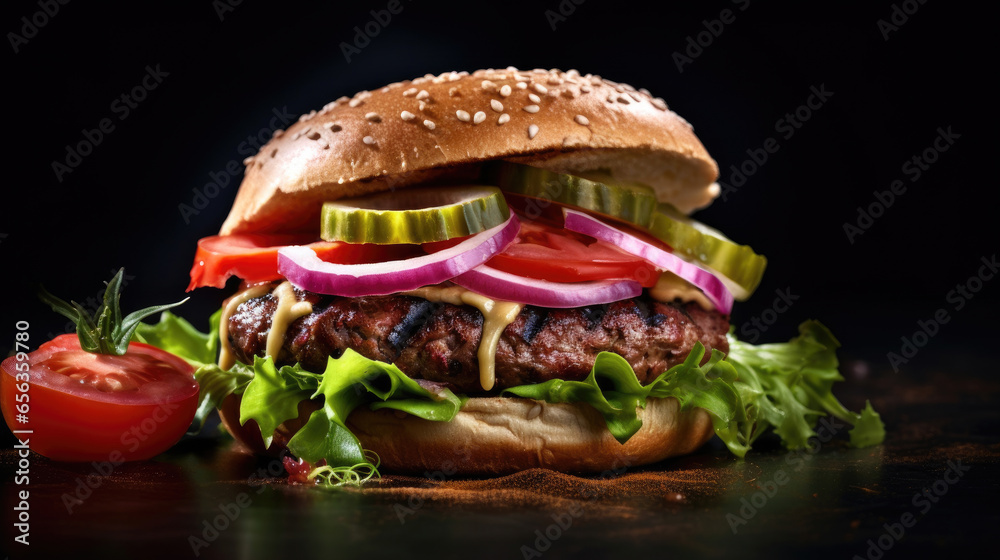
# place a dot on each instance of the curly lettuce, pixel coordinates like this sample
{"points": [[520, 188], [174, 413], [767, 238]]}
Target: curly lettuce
{"points": [[784, 387]]}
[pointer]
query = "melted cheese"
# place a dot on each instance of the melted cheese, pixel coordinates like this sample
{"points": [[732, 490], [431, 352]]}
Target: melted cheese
{"points": [[496, 316], [670, 287], [226, 359], [287, 310]]}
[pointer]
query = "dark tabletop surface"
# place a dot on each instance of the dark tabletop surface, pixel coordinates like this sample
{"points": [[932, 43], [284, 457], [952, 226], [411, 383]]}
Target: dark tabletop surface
{"points": [[931, 489]]}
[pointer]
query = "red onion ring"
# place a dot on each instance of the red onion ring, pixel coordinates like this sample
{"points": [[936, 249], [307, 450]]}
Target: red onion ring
{"points": [[714, 289], [501, 285], [301, 266]]}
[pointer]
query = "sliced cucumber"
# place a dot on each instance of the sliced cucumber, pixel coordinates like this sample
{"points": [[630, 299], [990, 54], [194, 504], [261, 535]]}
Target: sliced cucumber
{"points": [[631, 202], [421, 215], [737, 265]]}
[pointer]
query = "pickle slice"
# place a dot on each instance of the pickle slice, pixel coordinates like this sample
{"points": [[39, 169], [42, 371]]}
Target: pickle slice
{"points": [[418, 215], [597, 192], [736, 265]]}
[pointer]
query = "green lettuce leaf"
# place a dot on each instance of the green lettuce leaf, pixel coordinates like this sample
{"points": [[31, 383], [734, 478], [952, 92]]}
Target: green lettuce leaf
{"points": [[790, 386], [785, 387], [350, 381]]}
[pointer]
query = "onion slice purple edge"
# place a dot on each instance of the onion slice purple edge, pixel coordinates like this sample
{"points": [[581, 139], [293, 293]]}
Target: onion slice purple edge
{"points": [[714, 289], [301, 266], [497, 284]]}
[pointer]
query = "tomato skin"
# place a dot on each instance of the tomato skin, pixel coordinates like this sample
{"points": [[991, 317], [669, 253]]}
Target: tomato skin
{"points": [[254, 257], [74, 420], [547, 252]]}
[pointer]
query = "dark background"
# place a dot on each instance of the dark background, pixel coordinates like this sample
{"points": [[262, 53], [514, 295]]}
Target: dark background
{"points": [[230, 70]]}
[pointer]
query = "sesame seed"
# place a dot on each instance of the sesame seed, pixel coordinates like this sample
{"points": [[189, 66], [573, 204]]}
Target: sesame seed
{"points": [[313, 135], [503, 118], [368, 140], [453, 92], [569, 93], [463, 116], [521, 85], [355, 102], [534, 98], [248, 160], [479, 117], [659, 103], [532, 131], [488, 85], [645, 91], [497, 106], [423, 95], [328, 125], [505, 90], [373, 117], [531, 108], [584, 89], [635, 96], [422, 105], [409, 92], [296, 135], [429, 124], [540, 88], [624, 99], [278, 133], [582, 120], [407, 116]]}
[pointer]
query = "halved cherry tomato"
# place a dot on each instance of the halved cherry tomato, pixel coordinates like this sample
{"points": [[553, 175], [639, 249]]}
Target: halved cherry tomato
{"points": [[550, 253], [254, 257], [98, 407]]}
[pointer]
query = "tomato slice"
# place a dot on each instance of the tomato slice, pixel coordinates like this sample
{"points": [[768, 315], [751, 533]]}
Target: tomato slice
{"points": [[98, 407], [254, 257], [551, 253]]}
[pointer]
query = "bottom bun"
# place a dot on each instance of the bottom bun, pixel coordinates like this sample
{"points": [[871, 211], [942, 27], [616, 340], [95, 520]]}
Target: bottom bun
{"points": [[501, 435]]}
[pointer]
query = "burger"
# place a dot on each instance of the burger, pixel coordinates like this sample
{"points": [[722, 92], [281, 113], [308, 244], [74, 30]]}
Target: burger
{"points": [[487, 272]]}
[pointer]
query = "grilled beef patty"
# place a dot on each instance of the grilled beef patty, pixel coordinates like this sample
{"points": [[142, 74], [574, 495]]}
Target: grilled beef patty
{"points": [[439, 341]]}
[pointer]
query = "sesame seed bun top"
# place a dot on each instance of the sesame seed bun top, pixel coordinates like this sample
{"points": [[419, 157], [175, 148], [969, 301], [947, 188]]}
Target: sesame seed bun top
{"points": [[441, 128]]}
